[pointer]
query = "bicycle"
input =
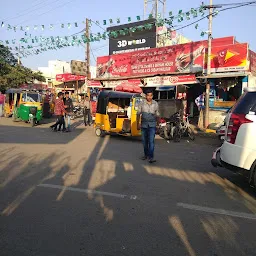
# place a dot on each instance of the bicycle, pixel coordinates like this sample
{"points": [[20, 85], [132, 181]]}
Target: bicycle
{"points": [[182, 128]]}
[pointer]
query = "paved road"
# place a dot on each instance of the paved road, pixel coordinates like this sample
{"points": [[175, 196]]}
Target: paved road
{"points": [[75, 194]]}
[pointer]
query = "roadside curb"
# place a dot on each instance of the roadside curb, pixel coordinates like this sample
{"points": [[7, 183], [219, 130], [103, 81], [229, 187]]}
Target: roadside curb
{"points": [[207, 133]]}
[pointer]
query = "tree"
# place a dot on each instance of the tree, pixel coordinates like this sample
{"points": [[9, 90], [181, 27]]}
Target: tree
{"points": [[6, 56], [12, 74]]}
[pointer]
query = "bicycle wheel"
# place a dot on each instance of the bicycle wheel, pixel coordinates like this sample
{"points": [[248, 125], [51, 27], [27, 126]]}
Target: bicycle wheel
{"points": [[191, 134], [176, 134]]}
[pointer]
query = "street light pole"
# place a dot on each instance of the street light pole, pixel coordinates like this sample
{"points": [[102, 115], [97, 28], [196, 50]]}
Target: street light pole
{"points": [[207, 91]]}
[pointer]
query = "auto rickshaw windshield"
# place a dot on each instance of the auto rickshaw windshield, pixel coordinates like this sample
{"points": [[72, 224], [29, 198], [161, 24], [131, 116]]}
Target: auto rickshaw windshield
{"points": [[31, 97]]}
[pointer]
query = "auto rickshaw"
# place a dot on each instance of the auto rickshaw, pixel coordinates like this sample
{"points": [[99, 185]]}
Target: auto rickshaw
{"points": [[28, 107], [117, 113], [9, 101]]}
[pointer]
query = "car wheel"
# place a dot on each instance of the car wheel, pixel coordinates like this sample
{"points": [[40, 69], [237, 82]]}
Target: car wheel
{"points": [[252, 178], [32, 122]]}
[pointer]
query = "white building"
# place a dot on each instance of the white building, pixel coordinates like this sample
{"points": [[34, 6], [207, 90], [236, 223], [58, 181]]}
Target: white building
{"points": [[60, 67], [55, 67]]}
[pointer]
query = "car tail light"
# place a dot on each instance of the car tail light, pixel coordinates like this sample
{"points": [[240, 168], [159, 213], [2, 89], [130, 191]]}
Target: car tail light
{"points": [[236, 120]]}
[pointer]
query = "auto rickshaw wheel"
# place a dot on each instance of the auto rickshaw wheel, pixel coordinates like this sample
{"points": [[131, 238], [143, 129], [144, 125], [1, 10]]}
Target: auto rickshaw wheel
{"points": [[99, 132], [14, 118], [32, 122]]}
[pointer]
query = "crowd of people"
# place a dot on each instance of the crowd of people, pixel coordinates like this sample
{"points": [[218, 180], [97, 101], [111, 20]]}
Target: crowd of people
{"points": [[64, 110]]}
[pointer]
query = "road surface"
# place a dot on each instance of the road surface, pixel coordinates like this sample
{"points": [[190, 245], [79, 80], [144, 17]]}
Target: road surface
{"points": [[66, 194]]}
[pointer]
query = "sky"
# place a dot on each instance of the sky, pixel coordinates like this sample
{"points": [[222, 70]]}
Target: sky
{"points": [[237, 22]]}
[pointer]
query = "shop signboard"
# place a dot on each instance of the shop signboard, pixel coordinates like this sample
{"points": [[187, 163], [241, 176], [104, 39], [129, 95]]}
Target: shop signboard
{"points": [[252, 57], [170, 80], [228, 58], [186, 58], [141, 38], [69, 77], [113, 84]]}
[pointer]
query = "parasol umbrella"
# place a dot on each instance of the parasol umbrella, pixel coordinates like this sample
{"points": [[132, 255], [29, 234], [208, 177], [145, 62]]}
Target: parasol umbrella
{"points": [[129, 88]]}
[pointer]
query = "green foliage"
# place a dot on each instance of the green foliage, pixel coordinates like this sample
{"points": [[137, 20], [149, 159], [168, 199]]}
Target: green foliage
{"points": [[13, 75]]}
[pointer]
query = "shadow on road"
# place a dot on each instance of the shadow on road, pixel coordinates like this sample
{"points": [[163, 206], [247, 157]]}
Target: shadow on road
{"points": [[35, 135], [141, 217]]}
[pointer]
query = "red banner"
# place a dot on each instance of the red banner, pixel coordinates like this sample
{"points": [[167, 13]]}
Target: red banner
{"points": [[69, 77], [252, 57], [229, 58], [186, 58]]}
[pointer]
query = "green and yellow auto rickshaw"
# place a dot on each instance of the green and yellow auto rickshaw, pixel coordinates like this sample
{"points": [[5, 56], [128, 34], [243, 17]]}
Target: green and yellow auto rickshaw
{"points": [[28, 107]]}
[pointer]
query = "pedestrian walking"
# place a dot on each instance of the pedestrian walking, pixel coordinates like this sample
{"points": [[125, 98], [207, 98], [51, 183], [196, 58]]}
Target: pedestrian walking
{"points": [[87, 110], [68, 104], [147, 119], [2, 99], [59, 112], [200, 102]]}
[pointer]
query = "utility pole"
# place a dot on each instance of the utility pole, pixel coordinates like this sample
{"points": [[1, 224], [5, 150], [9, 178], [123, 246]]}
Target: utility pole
{"points": [[156, 9], [207, 91], [87, 36], [152, 7]]}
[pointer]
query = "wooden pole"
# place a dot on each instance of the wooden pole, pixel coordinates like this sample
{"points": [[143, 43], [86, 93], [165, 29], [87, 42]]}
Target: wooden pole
{"points": [[207, 92], [87, 36]]}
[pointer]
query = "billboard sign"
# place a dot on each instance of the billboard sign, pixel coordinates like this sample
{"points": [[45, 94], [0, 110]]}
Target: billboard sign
{"points": [[78, 67], [69, 77], [186, 58], [252, 56], [166, 37], [229, 58], [140, 39]]}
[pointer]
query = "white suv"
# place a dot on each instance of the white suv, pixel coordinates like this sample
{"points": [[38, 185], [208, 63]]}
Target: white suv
{"points": [[238, 151]]}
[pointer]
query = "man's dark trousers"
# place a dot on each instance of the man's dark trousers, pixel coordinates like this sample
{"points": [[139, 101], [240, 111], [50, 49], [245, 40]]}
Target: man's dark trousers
{"points": [[87, 117], [60, 122], [148, 140]]}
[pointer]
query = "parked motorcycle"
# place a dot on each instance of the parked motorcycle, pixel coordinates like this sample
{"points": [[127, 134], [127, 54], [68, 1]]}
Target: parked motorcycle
{"points": [[168, 127], [77, 112]]}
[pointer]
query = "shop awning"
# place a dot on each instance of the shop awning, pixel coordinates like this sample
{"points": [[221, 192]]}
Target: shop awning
{"points": [[223, 75]]}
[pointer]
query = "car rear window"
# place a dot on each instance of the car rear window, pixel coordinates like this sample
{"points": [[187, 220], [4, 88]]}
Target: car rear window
{"points": [[246, 103]]}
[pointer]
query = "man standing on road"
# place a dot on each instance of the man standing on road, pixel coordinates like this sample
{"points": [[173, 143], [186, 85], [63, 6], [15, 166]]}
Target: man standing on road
{"points": [[86, 104], [59, 112], [147, 119], [68, 103]]}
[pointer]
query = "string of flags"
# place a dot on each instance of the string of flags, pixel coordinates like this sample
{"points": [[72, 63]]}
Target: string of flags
{"points": [[93, 37], [187, 15], [35, 45]]}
